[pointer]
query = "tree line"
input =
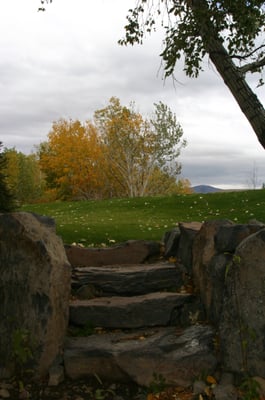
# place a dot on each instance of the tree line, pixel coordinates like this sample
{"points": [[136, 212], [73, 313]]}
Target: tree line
{"points": [[117, 154]]}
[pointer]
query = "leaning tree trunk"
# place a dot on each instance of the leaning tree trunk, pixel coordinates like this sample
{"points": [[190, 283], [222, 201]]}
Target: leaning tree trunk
{"points": [[231, 75], [234, 80]]}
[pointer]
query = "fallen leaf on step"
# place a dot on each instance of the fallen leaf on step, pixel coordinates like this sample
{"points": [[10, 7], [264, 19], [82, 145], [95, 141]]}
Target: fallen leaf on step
{"points": [[210, 379]]}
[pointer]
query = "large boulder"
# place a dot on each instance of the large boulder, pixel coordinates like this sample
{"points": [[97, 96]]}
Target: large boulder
{"points": [[213, 250], [214, 291], [228, 237], [242, 328], [34, 293], [170, 241], [188, 232], [204, 251]]}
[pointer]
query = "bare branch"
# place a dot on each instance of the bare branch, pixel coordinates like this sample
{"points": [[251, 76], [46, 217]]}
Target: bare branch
{"points": [[43, 2], [245, 56], [252, 67]]}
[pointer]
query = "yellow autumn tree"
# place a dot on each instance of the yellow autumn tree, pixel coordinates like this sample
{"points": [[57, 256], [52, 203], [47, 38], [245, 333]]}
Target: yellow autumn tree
{"points": [[121, 131], [72, 160]]}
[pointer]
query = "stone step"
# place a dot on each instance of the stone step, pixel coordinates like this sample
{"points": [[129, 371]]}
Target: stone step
{"points": [[179, 356], [153, 309], [130, 252], [125, 280]]}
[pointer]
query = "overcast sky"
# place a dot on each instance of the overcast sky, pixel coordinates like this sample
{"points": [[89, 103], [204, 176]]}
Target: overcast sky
{"points": [[66, 63]]}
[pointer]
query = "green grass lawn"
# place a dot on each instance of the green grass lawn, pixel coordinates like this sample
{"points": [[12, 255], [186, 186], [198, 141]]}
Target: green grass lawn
{"points": [[111, 221]]}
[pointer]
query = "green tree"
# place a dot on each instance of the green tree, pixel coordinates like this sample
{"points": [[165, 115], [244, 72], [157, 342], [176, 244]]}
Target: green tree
{"points": [[134, 146], [24, 177], [168, 139], [231, 32], [164, 184], [6, 198]]}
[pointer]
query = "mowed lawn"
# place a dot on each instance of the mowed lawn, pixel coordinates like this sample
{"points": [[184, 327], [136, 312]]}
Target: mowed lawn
{"points": [[106, 222]]}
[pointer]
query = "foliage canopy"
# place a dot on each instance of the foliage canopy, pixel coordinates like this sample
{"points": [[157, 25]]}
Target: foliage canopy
{"points": [[6, 198], [23, 176], [120, 154], [230, 32], [191, 25]]}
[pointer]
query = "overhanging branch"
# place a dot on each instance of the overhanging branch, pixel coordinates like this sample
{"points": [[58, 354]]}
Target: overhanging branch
{"points": [[252, 67], [246, 56]]}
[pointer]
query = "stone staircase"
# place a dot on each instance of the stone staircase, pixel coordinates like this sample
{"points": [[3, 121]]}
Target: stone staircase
{"points": [[144, 322]]}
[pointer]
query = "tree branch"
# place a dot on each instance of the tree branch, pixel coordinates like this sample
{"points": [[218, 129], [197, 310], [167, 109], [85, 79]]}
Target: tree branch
{"points": [[244, 57], [43, 2], [252, 67]]}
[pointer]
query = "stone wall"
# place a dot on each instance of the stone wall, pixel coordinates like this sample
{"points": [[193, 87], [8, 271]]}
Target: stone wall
{"points": [[225, 260], [227, 264]]}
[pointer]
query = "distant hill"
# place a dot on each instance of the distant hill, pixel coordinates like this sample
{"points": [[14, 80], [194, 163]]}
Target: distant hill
{"points": [[205, 189]]}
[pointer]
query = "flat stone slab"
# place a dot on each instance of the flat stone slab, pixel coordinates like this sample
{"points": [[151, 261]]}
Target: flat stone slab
{"points": [[153, 309], [130, 252], [127, 279], [179, 356]]}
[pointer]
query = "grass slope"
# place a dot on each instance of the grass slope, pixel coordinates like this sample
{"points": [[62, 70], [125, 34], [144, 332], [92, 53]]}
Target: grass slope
{"points": [[111, 221]]}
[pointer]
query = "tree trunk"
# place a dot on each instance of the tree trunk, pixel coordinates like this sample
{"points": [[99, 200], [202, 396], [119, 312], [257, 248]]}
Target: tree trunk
{"points": [[231, 75], [245, 97]]}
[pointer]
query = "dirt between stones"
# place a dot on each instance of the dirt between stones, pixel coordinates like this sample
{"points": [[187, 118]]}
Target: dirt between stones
{"points": [[92, 389]]}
